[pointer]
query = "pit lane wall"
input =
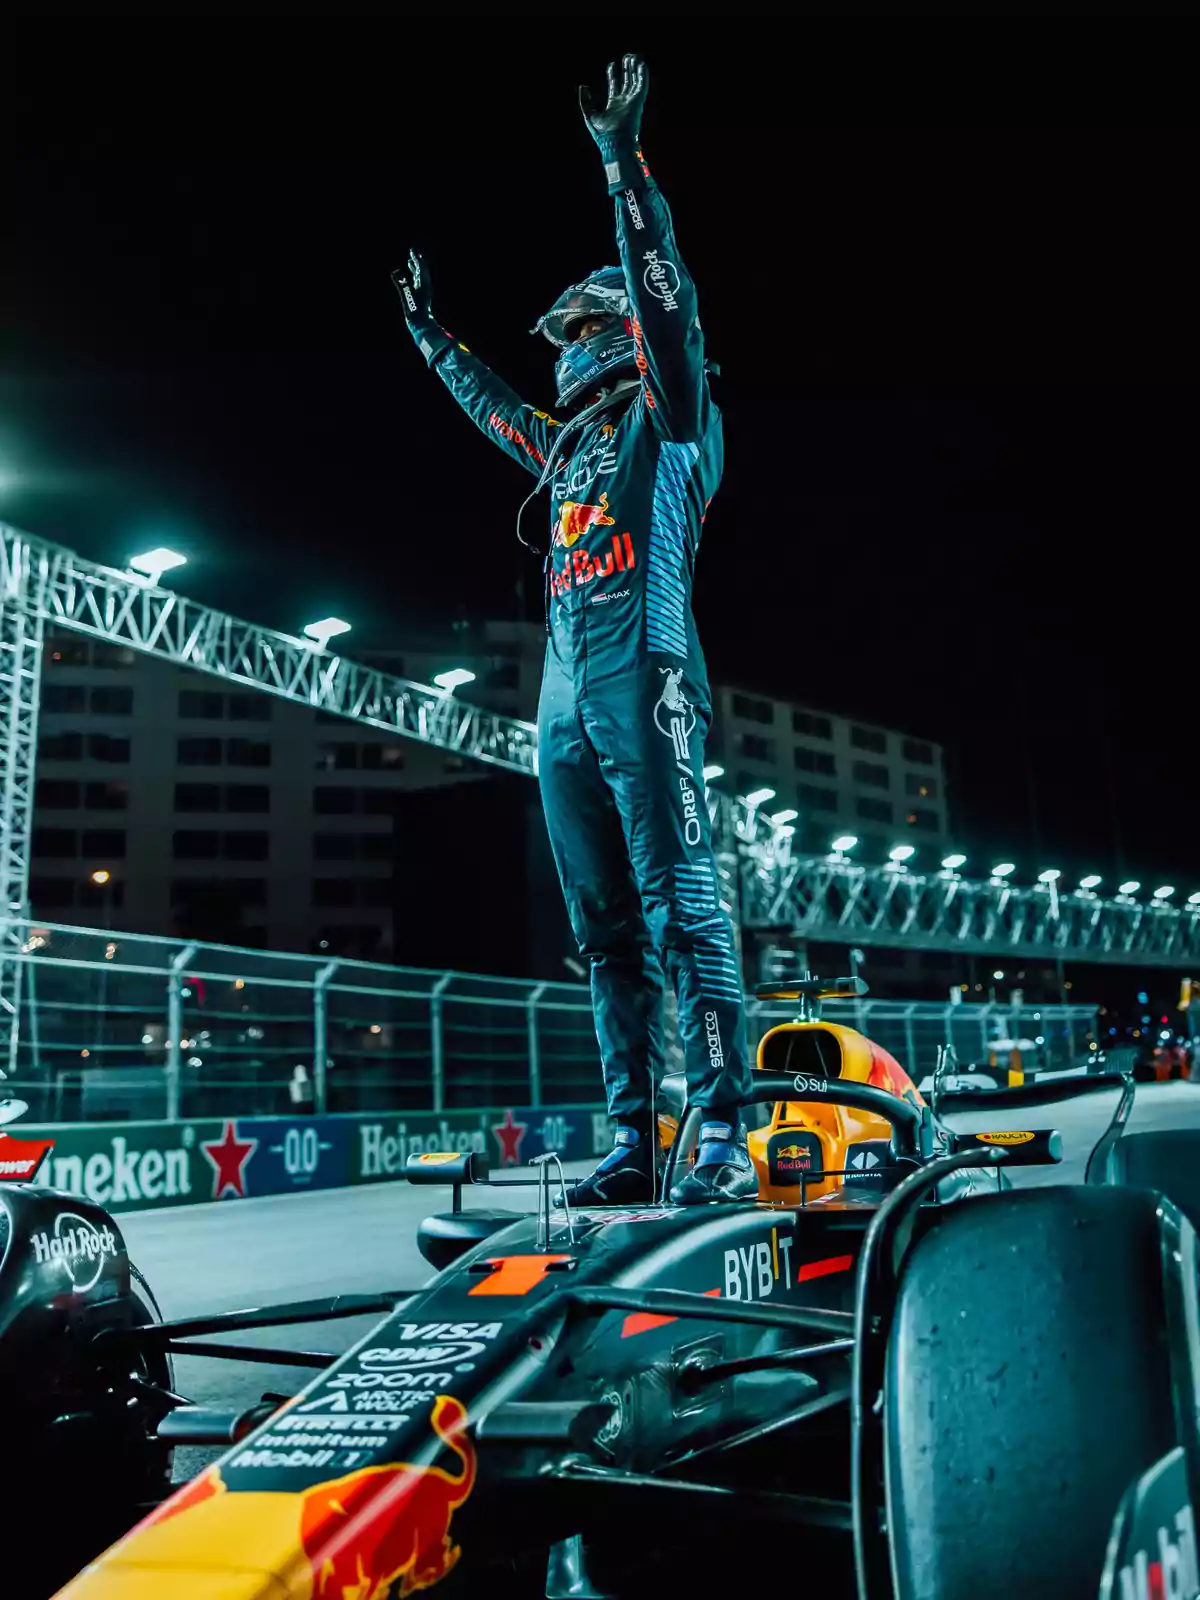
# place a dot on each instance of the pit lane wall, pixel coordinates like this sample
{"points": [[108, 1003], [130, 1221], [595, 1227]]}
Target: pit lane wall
{"points": [[128, 1166]]}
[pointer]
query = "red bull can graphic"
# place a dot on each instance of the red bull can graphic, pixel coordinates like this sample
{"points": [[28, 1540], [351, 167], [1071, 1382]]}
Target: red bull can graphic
{"points": [[366, 1531], [576, 518]]}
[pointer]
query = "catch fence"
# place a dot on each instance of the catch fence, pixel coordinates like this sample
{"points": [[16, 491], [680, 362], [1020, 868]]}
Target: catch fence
{"points": [[114, 1026]]}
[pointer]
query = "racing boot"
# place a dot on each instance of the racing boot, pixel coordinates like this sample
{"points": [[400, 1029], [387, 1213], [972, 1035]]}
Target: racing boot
{"points": [[626, 1175], [722, 1169]]}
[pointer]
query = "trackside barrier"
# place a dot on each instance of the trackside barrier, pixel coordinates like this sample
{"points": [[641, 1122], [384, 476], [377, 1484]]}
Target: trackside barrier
{"points": [[127, 1166], [116, 1025]]}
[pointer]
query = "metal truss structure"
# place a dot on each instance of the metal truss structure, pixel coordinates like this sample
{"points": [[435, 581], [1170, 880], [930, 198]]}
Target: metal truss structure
{"points": [[835, 900], [766, 887]]}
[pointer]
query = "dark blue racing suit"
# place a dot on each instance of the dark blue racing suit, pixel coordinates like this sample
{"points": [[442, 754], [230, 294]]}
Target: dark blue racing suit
{"points": [[625, 703]]}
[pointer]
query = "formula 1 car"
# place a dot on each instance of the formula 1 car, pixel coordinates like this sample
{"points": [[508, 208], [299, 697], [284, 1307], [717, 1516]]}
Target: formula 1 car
{"points": [[891, 1376]]}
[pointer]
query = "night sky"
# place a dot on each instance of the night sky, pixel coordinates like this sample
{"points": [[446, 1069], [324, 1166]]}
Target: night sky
{"points": [[952, 294]]}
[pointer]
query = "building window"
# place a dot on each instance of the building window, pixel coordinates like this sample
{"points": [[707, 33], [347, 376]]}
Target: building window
{"points": [[376, 892], [201, 703], [112, 701], [198, 752], [113, 655], [246, 844], [56, 794], [922, 817], [336, 755], [245, 891], [249, 708], [248, 752], [874, 810], [197, 797], [920, 752], [747, 782], [51, 894], [375, 847], [872, 772], [810, 723], [70, 651], [362, 941], [331, 802], [108, 844], [60, 747], [110, 796], [64, 697], [378, 802], [103, 747], [335, 846], [382, 758], [247, 797], [868, 739], [815, 761], [749, 710], [59, 843], [333, 892], [194, 844], [755, 747], [920, 788], [817, 799]]}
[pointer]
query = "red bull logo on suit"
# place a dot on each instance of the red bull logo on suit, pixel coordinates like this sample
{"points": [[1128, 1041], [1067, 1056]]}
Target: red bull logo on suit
{"points": [[576, 517]]}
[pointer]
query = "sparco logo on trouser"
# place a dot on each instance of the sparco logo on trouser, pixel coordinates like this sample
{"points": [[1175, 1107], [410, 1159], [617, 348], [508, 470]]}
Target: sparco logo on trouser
{"points": [[712, 1038], [674, 717]]}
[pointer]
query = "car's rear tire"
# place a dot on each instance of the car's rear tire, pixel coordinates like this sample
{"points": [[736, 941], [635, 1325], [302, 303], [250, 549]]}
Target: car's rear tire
{"points": [[1167, 1159], [1029, 1382]]}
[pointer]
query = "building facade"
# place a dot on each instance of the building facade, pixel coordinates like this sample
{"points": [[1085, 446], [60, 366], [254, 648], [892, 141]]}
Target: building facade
{"points": [[842, 775], [220, 812]]}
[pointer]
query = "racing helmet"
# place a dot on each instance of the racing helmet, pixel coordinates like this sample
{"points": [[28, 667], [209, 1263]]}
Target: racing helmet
{"points": [[582, 362]]}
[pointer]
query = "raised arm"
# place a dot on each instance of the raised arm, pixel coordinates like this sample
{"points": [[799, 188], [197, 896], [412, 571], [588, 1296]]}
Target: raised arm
{"points": [[519, 430], [666, 329]]}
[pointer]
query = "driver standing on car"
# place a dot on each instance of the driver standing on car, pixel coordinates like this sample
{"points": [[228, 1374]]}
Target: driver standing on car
{"points": [[625, 704]]}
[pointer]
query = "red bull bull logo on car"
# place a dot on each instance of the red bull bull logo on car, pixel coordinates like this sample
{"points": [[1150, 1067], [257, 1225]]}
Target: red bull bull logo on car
{"points": [[583, 566], [383, 1525]]}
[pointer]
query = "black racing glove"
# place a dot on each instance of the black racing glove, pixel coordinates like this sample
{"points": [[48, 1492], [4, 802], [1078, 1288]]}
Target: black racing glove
{"points": [[617, 126], [412, 285]]}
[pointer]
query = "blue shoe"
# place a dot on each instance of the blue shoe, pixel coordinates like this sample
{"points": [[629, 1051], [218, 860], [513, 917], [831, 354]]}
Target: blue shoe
{"points": [[722, 1169], [625, 1177]]}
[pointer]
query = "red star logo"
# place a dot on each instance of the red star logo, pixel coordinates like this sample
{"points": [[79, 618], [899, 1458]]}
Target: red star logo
{"points": [[229, 1156], [509, 1135]]}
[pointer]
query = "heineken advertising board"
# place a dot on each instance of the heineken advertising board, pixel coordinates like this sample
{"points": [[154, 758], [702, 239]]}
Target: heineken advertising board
{"points": [[126, 1166]]}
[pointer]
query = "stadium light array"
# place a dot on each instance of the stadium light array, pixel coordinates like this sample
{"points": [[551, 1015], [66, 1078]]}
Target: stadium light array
{"points": [[1051, 875], [1092, 881], [900, 853], [780, 817], [759, 797], [711, 773], [953, 862], [844, 842], [1130, 886], [151, 565], [328, 628], [454, 679], [1002, 869], [1163, 892]]}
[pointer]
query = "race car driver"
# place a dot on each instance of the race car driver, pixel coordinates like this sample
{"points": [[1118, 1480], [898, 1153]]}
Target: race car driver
{"points": [[625, 705]]}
